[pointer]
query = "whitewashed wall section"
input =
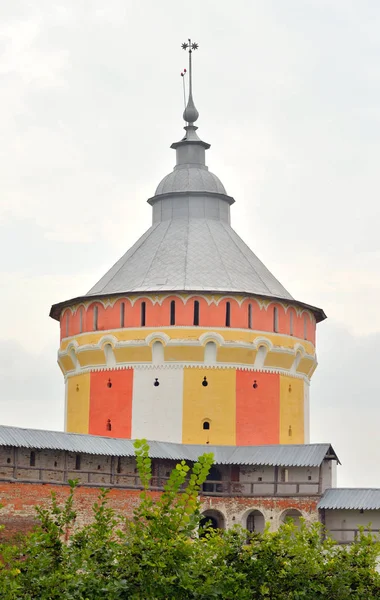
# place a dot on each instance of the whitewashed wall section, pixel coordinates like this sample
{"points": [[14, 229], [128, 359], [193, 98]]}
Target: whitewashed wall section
{"points": [[157, 410]]}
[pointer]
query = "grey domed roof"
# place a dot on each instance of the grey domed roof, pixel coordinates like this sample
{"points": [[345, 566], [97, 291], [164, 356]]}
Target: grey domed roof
{"points": [[190, 254], [190, 179], [191, 245]]}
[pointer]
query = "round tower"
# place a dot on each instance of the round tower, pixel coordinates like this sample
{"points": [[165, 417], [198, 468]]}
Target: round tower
{"points": [[189, 338]]}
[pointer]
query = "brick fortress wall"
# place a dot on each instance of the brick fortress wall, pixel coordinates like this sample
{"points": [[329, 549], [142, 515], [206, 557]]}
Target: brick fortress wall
{"points": [[19, 501]]}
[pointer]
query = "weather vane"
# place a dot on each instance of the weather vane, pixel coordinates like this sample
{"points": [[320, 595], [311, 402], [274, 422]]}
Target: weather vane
{"points": [[189, 46]]}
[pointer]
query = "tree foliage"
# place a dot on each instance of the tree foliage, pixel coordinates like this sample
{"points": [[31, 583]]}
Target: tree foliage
{"points": [[159, 555]]}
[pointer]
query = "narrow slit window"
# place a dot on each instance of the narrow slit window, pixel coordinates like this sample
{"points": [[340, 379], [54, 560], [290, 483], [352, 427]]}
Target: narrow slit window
{"points": [[249, 316], [67, 324], [172, 312], [122, 314], [96, 315], [32, 459], [77, 462], [305, 327], [196, 312], [206, 425], [143, 314], [291, 324], [81, 319], [275, 319], [228, 314]]}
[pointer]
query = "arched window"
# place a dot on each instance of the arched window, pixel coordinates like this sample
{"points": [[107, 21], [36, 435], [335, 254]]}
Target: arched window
{"points": [[305, 327], [143, 314], [32, 459], [293, 515], [122, 314], [206, 424], [255, 522], [158, 356], [228, 314], [172, 312], [81, 319], [96, 314], [210, 353], [275, 319], [291, 325], [196, 312], [249, 316]]}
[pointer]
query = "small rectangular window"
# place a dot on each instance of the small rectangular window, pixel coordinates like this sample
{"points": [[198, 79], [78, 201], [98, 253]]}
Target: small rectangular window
{"points": [[172, 312], [32, 459], [196, 312], [77, 462], [275, 319], [143, 314], [249, 316], [122, 314], [96, 313], [228, 314]]}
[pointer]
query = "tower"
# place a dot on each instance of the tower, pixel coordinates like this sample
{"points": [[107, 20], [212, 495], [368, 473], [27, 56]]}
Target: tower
{"points": [[189, 338]]}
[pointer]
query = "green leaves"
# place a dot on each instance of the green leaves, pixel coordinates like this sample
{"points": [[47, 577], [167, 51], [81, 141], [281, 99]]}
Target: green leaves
{"points": [[158, 554]]}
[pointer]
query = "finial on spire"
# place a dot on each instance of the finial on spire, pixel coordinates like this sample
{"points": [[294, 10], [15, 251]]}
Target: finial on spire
{"points": [[190, 114]]}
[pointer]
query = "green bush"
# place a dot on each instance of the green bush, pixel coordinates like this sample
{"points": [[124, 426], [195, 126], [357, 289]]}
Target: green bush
{"points": [[159, 555]]}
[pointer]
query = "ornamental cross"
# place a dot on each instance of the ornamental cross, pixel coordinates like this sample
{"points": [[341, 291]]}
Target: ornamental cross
{"points": [[190, 45]]}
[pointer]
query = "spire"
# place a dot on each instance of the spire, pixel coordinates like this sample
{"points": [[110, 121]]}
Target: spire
{"points": [[190, 114]]}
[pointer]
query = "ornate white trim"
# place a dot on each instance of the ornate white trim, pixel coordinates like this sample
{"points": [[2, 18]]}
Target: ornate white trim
{"points": [[187, 365]]}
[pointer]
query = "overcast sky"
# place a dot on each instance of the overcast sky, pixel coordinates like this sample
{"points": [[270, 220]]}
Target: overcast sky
{"points": [[289, 98]]}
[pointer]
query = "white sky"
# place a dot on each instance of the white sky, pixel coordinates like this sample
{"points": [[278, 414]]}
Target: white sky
{"points": [[289, 98]]}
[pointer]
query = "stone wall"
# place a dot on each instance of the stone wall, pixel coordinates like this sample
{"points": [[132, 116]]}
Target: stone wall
{"points": [[19, 500]]}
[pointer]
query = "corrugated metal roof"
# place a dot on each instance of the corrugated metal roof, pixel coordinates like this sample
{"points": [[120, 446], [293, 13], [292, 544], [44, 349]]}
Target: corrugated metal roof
{"points": [[305, 455], [351, 498], [190, 254]]}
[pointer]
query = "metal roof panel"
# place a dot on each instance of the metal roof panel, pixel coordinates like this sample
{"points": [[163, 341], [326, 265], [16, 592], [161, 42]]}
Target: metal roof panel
{"points": [[302, 455], [351, 499]]}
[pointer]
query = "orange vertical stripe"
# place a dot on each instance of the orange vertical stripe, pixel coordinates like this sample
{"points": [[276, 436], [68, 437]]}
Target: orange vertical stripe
{"points": [[257, 409], [111, 403]]}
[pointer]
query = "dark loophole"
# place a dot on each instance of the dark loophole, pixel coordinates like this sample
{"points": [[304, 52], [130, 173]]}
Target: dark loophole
{"points": [[108, 425], [255, 384], [156, 382], [109, 383], [205, 382]]}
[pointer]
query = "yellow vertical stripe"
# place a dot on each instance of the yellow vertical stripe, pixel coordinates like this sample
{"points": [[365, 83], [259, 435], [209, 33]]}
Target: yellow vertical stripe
{"points": [[78, 403], [215, 402], [291, 410]]}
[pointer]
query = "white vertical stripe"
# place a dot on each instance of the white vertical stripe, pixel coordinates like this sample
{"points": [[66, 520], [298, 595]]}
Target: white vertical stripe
{"points": [[157, 410]]}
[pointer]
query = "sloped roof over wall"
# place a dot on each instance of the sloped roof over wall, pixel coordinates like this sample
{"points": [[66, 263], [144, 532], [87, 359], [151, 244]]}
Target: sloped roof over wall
{"points": [[302, 455], [351, 499]]}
